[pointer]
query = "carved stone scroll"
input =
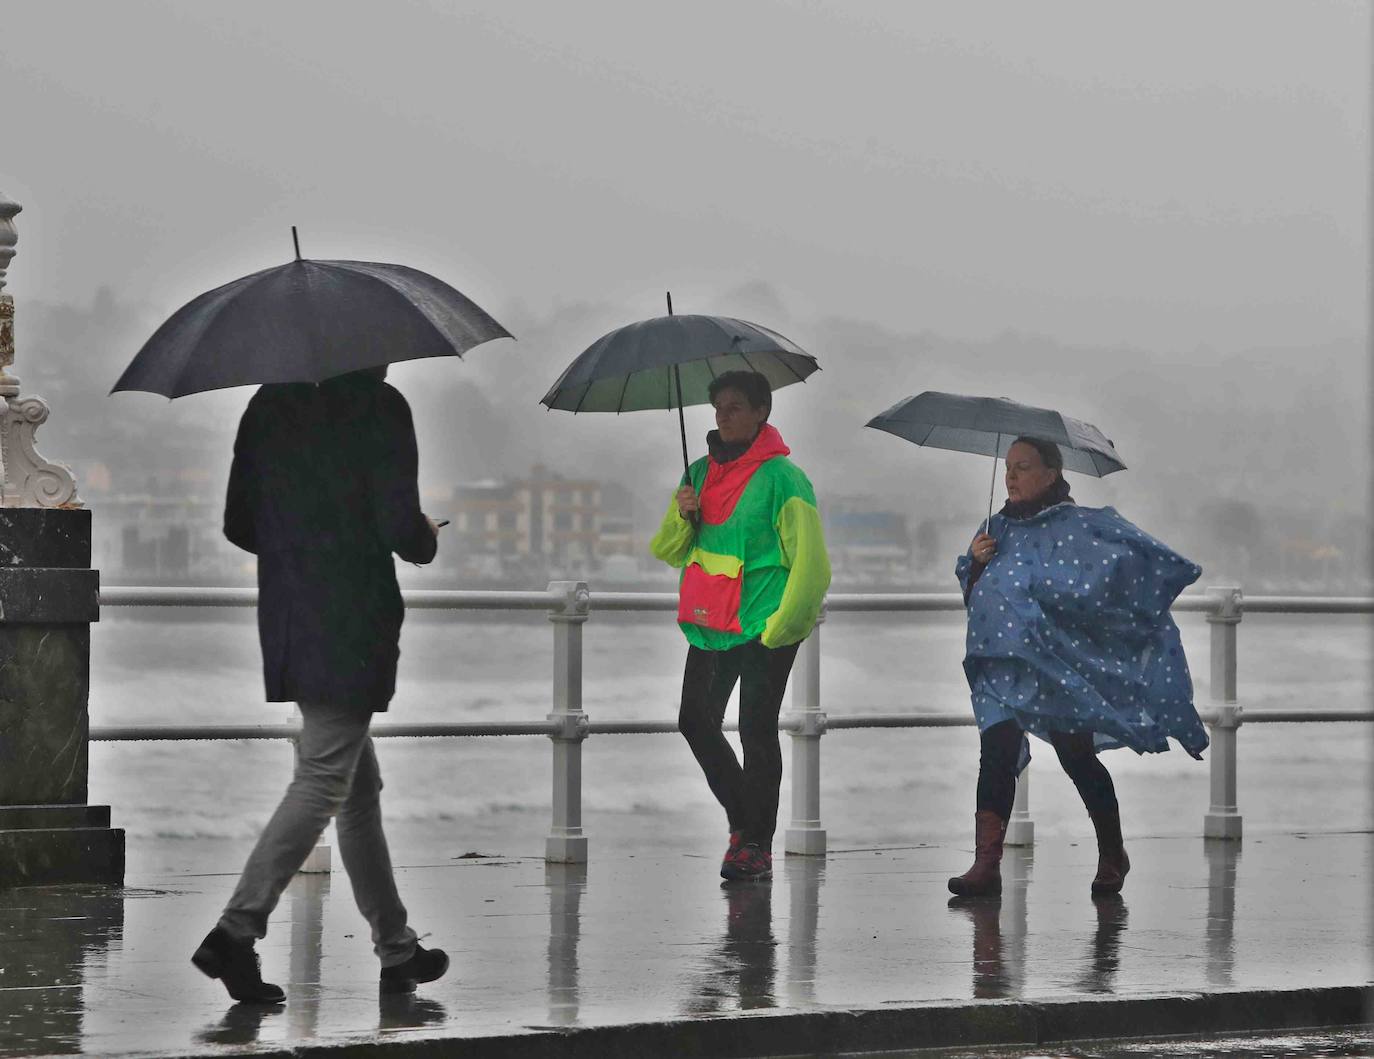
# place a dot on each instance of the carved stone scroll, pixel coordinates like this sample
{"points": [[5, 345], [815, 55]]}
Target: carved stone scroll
{"points": [[31, 480]]}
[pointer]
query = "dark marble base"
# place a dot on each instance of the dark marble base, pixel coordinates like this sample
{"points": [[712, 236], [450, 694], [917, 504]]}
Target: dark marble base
{"points": [[44, 685], [48, 845], [54, 538], [24, 817], [49, 596]]}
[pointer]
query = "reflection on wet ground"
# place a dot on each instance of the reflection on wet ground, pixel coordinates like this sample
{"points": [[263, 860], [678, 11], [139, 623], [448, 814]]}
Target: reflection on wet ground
{"points": [[241, 1024], [999, 927], [650, 938], [740, 972], [1347, 1044]]}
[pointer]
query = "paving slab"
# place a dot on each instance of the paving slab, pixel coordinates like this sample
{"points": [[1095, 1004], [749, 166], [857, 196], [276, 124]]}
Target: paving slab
{"points": [[857, 939]]}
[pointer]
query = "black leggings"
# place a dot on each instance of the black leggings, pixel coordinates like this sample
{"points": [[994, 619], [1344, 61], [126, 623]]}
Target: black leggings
{"points": [[748, 793], [1001, 747]]}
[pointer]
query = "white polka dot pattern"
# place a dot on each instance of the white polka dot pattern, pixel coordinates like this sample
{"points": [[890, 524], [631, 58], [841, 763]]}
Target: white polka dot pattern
{"points": [[1058, 641]]}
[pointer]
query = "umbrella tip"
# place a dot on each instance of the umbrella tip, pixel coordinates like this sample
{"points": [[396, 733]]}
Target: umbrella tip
{"points": [[295, 239], [669, 295]]}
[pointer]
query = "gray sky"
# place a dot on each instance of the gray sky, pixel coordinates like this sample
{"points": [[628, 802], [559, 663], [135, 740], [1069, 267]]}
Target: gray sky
{"points": [[1153, 216], [1172, 174]]}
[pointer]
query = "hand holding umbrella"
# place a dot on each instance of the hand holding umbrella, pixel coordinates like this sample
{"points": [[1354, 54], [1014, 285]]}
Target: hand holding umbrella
{"points": [[689, 503]]}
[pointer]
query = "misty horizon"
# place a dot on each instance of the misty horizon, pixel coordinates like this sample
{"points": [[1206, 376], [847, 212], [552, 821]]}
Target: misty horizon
{"points": [[479, 419], [1164, 233]]}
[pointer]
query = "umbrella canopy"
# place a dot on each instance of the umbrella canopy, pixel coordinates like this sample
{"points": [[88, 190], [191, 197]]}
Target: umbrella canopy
{"points": [[989, 425], [642, 365], [307, 321]]}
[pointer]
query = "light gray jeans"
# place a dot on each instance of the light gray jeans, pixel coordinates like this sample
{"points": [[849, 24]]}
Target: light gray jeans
{"points": [[336, 776]]}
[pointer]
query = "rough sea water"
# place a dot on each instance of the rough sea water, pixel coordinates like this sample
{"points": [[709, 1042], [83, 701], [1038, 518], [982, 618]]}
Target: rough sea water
{"points": [[198, 805]]}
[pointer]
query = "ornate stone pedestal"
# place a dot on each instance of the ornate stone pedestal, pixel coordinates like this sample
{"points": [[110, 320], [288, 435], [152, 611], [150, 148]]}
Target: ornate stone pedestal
{"points": [[49, 595]]}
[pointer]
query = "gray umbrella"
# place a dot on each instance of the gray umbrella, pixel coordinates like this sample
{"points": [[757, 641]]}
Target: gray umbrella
{"points": [[668, 362], [307, 321], [989, 425]]}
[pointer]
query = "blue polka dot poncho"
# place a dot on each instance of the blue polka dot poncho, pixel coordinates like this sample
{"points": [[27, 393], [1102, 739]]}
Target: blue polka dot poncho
{"points": [[1069, 630]]}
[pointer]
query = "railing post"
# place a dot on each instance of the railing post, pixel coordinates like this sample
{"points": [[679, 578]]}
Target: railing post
{"points": [[567, 723], [319, 861], [806, 725], [1021, 828], [1223, 819]]}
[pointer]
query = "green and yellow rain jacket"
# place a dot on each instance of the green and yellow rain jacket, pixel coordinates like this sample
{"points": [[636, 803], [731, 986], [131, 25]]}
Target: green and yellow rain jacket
{"points": [[757, 566]]}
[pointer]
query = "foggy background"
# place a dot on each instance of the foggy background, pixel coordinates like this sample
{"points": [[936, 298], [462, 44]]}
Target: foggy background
{"points": [[1153, 217]]}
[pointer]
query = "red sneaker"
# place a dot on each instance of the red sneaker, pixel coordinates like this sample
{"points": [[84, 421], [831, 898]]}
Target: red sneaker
{"points": [[750, 864], [736, 841]]}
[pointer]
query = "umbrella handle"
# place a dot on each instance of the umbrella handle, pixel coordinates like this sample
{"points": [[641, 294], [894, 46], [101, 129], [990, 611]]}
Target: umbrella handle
{"points": [[695, 517], [992, 486]]}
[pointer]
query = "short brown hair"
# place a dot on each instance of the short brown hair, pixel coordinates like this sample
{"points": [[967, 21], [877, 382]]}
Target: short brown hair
{"points": [[752, 384]]}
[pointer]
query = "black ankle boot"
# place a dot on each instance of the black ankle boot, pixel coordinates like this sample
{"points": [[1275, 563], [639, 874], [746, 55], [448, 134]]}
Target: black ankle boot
{"points": [[1112, 862], [236, 964], [425, 965]]}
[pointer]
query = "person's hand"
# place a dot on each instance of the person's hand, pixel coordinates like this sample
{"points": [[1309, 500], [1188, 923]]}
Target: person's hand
{"points": [[983, 548], [687, 502], [433, 526]]}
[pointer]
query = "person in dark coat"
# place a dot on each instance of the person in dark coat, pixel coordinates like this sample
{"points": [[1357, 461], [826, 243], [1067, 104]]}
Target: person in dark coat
{"points": [[323, 490]]}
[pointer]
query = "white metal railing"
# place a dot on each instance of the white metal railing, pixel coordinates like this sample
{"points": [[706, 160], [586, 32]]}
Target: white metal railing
{"points": [[569, 604]]}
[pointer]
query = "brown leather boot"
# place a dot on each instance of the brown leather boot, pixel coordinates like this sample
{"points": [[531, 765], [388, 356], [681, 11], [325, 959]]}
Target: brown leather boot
{"points": [[1112, 862], [985, 877]]}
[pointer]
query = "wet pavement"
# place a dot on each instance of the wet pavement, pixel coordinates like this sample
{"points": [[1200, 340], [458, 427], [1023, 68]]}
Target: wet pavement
{"points": [[632, 939], [1345, 1044]]}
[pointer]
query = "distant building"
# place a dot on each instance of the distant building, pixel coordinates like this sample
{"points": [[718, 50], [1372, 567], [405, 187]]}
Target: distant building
{"points": [[869, 544], [565, 517], [489, 519], [620, 531], [541, 522], [162, 537]]}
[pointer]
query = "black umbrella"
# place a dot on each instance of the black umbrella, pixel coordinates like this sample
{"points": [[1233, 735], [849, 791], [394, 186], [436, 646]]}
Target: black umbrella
{"points": [[307, 321], [668, 362], [989, 425]]}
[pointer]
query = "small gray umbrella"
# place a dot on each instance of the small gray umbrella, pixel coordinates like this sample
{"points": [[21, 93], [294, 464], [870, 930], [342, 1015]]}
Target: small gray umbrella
{"points": [[307, 321], [989, 425], [668, 362]]}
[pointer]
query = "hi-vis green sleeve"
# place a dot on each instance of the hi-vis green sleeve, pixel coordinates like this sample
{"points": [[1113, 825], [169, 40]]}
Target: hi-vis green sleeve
{"points": [[803, 552], [673, 541]]}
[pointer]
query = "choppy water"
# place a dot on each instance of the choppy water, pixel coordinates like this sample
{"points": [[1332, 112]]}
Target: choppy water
{"points": [[205, 801]]}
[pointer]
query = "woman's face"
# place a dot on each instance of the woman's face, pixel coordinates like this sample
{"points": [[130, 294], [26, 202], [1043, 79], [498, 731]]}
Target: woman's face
{"points": [[735, 419], [1027, 476]]}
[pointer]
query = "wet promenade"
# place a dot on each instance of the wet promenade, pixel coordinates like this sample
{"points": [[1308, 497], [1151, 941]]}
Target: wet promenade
{"points": [[635, 939]]}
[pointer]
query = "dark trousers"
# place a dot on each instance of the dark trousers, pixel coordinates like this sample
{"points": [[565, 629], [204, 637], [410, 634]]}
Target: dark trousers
{"points": [[749, 793], [1001, 747]]}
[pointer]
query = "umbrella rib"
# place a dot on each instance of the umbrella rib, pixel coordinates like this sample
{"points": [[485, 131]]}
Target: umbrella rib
{"points": [[583, 398], [391, 275], [621, 405], [248, 281], [788, 365], [744, 357]]}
